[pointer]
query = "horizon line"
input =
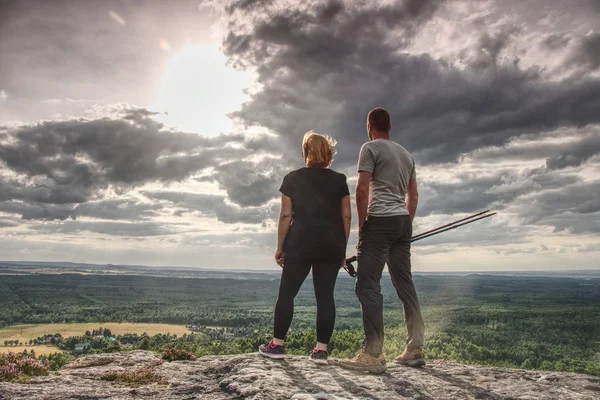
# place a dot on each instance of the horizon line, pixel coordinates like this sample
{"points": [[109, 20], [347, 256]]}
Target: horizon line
{"points": [[258, 270]]}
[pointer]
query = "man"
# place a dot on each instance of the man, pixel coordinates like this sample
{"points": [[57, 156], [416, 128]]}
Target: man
{"points": [[386, 201]]}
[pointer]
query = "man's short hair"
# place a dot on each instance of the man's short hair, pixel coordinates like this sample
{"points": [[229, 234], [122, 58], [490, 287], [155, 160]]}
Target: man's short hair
{"points": [[379, 119]]}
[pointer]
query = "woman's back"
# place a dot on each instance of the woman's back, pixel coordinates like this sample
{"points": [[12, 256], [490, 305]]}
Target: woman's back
{"points": [[316, 195], [317, 230]]}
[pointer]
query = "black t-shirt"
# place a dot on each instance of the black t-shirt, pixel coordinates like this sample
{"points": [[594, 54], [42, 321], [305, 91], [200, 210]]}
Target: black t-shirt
{"points": [[317, 227]]}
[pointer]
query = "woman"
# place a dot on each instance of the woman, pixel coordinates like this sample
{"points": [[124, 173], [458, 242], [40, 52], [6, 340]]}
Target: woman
{"points": [[314, 225]]}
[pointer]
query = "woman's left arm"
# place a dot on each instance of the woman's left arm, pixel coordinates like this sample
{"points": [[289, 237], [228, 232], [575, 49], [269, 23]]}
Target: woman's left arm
{"points": [[285, 218], [346, 215]]}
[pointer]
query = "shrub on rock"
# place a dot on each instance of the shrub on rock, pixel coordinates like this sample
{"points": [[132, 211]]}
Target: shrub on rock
{"points": [[136, 377], [176, 354], [20, 367]]}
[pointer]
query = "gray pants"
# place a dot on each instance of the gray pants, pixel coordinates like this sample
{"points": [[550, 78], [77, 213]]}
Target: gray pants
{"points": [[387, 239]]}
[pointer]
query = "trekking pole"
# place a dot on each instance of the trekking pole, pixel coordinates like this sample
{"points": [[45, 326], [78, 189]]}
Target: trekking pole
{"points": [[453, 225], [448, 227], [439, 228]]}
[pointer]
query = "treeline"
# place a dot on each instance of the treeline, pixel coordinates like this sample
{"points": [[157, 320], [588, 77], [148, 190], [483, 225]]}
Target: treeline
{"points": [[237, 303], [46, 339]]}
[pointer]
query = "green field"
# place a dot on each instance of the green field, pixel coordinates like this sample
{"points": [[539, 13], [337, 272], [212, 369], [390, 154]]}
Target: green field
{"points": [[523, 322]]}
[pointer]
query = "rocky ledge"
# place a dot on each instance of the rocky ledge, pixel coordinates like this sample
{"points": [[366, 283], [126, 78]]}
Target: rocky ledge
{"points": [[250, 376]]}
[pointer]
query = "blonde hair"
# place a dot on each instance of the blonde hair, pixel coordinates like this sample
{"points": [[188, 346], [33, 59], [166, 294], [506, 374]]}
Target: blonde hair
{"points": [[318, 150]]}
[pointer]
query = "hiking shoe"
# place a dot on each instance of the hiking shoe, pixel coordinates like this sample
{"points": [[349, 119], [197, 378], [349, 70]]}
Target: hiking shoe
{"points": [[365, 362], [272, 350], [319, 357], [411, 358]]}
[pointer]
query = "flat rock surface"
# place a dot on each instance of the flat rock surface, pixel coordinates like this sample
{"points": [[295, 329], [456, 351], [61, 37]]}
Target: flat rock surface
{"points": [[250, 376]]}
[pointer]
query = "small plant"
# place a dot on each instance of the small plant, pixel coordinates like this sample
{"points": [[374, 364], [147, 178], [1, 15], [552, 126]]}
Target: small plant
{"points": [[20, 367], [57, 360], [176, 354], [134, 378]]}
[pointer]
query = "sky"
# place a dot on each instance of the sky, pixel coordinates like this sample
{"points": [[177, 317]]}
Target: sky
{"points": [[158, 133]]}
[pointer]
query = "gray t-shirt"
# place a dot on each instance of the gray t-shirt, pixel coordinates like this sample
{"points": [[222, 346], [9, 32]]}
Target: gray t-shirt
{"points": [[392, 167]]}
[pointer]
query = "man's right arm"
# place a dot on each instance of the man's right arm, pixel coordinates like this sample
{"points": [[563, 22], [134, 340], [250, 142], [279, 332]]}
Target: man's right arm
{"points": [[362, 197], [366, 166], [412, 198]]}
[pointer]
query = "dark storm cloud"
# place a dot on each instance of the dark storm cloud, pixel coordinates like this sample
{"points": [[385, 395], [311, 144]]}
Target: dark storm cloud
{"points": [[470, 192], [324, 65], [264, 143], [555, 41], [327, 76], [587, 51], [467, 195], [537, 197], [571, 223], [214, 205], [575, 154], [73, 162], [42, 191], [90, 154], [250, 183], [577, 148], [18, 199], [546, 196], [576, 208], [581, 53], [490, 43], [36, 211]]}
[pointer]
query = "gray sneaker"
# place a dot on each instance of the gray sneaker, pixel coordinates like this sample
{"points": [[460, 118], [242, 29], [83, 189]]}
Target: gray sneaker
{"points": [[319, 357], [272, 350]]}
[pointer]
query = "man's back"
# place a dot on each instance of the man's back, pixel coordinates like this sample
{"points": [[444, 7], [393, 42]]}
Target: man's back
{"points": [[392, 167], [386, 203]]}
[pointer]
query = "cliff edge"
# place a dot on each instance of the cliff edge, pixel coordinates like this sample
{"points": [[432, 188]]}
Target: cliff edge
{"points": [[250, 376]]}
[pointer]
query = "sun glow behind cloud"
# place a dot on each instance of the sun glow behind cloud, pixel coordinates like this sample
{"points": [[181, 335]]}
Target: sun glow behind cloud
{"points": [[198, 90]]}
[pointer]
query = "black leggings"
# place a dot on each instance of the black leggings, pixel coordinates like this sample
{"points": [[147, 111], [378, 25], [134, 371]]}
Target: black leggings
{"points": [[294, 273]]}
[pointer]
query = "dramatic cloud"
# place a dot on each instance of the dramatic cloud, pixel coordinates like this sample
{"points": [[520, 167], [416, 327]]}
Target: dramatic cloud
{"points": [[536, 197], [248, 183], [56, 165], [36, 211], [538, 181], [586, 51], [575, 208], [574, 154], [83, 156], [561, 148], [323, 65]]}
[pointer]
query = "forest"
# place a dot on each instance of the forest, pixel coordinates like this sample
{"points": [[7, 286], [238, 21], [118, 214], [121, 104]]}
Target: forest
{"points": [[549, 323]]}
